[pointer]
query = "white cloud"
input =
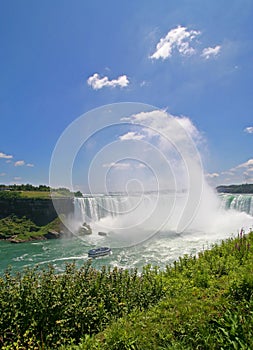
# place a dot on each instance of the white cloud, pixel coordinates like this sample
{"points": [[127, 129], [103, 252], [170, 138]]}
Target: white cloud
{"points": [[140, 166], [97, 83], [212, 175], [178, 38], [247, 164], [144, 83], [30, 165], [159, 124], [119, 166], [2, 174], [5, 156], [249, 129], [17, 178], [131, 136], [230, 173], [209, 52], [19, 163]]}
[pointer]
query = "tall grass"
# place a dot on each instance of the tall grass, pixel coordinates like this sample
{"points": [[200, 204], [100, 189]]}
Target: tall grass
{"points": [[208, 304], [203, 302], [45, 309]]}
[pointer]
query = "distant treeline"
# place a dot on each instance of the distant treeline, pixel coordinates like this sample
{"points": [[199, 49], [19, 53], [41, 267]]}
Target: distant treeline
{"points": [[27, 187], [14, 191], [243, 188]]}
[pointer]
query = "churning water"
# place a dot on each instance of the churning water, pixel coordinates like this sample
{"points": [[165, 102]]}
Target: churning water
{"points": [[134, 232]]}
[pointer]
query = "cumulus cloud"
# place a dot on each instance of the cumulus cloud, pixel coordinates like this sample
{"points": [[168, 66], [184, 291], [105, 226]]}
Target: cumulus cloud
{"points": [[97, 82], [212, 175], [131, 136], [124, 166], [2, 174], [140, 166], [247, 164], [209, 52], [5, 156], [17, 178], [119, 166], [229, 172], [19, 163], [176, 39], [174, 129], [30, 165], [249, 130]]}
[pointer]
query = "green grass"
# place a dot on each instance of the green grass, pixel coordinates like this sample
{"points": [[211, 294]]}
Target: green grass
{"points": [[208, 304], [24, 229], [197, 303], [44, 194], [35, 194]]}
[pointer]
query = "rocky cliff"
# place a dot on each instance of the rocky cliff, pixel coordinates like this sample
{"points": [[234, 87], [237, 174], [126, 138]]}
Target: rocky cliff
{"points": [[40, 211]]}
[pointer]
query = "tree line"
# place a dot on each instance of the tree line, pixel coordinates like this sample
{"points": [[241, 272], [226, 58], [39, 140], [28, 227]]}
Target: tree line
{"points": [[243, 188], [25, 187]]}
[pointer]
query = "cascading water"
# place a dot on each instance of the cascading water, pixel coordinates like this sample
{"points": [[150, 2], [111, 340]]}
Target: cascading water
{"points": [[136, 148], [213, 223], [134, 219], [92, 209], [238, 202]]}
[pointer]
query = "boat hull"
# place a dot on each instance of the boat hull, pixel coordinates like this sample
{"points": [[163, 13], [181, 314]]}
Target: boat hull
{"points": [[97, 252]]}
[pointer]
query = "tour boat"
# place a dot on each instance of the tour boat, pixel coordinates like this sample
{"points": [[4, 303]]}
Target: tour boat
{"points": [[96, 252]]}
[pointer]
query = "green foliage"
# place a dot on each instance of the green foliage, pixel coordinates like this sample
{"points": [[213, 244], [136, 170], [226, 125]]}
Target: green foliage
{"points": [[15, 226], [243, 188], [202, 302], [9, 195], [35, 194], [27, 187], [52, 310], [207, 304], [24, 229], [78, 194]]}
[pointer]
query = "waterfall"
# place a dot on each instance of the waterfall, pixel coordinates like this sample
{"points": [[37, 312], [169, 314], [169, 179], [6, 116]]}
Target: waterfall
{"points": [[238, 202], [92, 209], [131, 219]]}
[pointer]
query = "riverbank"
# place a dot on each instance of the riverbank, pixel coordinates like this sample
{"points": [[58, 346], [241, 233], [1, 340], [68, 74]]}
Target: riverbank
{"points": [[32, 215], [203, 302], [21, 229]]}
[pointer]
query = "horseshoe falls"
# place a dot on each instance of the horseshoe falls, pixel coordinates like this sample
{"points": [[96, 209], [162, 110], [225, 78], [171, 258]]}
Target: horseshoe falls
{"points": [[238, 202], [139, 229]]}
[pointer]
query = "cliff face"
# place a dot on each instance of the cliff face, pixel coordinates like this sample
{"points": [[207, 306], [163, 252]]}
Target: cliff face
{"points": [[40, 211]]}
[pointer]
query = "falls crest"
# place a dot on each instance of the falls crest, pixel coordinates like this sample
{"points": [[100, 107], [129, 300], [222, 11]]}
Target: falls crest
{"points": [[133, 219], [95, 208], [238, 202]]}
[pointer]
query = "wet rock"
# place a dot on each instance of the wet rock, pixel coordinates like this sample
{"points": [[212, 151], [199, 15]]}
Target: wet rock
{"points": [[100, 233], [85, 229], [51, 234]]}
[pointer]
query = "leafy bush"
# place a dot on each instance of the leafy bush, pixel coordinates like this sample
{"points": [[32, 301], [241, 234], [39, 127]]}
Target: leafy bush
{"points": [[16, 226], [9, 195], [207, 305], [52, 309], [202, 302]]}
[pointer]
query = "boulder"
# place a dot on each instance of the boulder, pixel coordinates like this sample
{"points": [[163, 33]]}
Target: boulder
{"points": [[85, 229], [51, 234], [100, 233], [14, 239]]}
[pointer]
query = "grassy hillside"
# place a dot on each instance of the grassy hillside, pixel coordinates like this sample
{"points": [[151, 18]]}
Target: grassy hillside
{"points": [[207, 304], [35, 194], [198, 303], [23, 229]]}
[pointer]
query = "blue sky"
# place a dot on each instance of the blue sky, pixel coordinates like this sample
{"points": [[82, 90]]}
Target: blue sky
{"points": [[61, 59]]}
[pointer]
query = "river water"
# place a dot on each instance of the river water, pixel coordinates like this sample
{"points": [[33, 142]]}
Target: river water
{"points": [[162, 248]]}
